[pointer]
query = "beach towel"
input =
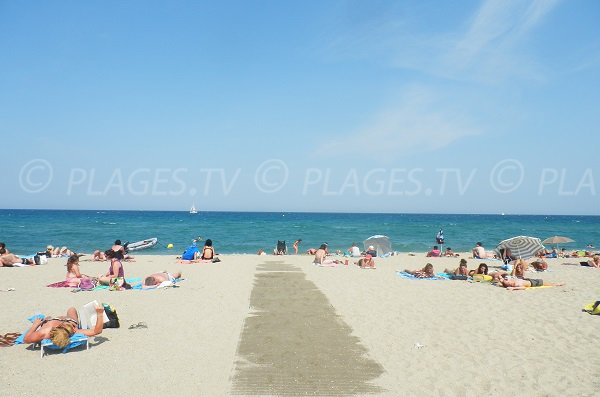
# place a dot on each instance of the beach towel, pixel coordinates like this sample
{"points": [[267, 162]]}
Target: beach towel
{"points": [[74, 341], [60, 284], [130, 281], [409, 276]]}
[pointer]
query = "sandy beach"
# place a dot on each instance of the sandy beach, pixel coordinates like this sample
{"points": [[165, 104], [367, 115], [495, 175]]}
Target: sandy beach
{"points": [[277, 325]]}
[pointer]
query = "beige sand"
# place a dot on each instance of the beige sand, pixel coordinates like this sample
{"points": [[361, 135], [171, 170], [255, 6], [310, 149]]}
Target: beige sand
{"points": [[253, 325]]}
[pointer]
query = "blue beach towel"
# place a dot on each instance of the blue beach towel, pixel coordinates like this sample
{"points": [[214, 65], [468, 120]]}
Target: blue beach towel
{"points": [[75, 340], [411, 277]]}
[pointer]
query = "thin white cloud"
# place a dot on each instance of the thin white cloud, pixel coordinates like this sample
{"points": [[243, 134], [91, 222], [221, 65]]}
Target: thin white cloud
{"points": [[485, 50], [419, 122], [489, 49]]}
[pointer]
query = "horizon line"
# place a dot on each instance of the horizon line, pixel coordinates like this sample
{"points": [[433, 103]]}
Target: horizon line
{"points": [[297, 212]]}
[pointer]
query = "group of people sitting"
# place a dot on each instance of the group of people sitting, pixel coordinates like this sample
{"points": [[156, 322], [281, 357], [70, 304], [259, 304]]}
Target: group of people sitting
{"points": [[366, 260], [115, 276], [192, 254]]}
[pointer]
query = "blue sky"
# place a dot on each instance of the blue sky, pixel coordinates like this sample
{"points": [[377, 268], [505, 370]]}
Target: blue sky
{"points": [[369, 106]]}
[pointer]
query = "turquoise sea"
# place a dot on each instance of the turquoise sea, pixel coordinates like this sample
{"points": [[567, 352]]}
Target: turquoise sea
{"points": [[28, 231]]}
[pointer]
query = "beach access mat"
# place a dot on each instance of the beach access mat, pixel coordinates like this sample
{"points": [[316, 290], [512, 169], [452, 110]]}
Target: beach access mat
{"points": [[438, 276]]}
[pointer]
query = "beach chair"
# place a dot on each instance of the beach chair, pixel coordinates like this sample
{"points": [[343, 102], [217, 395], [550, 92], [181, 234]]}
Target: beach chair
{"points": [[281, 248], [74, 341]]}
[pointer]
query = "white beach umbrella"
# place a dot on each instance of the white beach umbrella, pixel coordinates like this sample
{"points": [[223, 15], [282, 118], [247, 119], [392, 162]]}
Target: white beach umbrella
{"points": [[521, 246], [382, 244]]}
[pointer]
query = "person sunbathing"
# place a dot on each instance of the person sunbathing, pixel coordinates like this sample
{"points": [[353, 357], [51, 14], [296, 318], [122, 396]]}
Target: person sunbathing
{"points": [[98, 256], [449, 252], [156, 279], [426, 272], [435, 252], [115, 270], [519, 268], [74, 275], [593, 262], [9, 260], [461, 270], [60, 329], [208, 252], [320, 257], [481, 269], [520, 284], [367, 262], [540, 265]]}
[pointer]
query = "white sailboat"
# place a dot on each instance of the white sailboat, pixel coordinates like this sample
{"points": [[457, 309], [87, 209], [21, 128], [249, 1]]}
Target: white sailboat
{"points": [[193, 210]]}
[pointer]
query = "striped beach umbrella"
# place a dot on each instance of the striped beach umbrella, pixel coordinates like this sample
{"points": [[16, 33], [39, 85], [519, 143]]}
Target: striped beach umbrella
{"points": [[521, 246]]}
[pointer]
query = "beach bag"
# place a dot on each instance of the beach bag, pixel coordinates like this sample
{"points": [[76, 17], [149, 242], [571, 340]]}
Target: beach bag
{"points": [[592, 308], [87, 284], [189, 253], [113, 318], [458, 277]]}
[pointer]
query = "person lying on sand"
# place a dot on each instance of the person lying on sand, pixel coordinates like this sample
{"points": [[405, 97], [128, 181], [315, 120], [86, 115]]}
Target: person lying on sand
{"points": [[593, 262], [520, 284], [461, 270], [367, 262], [157, 279], [9, 260], [60, 329], [426, 272]]}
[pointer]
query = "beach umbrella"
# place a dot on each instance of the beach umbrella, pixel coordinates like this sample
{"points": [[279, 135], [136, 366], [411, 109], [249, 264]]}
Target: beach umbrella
{"points": [[382, 244], [557, 240], [521, 246]]}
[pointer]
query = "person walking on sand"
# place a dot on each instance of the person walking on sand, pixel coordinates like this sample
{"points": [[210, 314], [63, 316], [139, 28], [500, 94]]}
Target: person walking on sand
{"points": [[296, 245]]}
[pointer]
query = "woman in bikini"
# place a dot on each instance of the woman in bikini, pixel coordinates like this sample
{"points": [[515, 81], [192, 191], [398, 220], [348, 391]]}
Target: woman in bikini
{"points": [[519, 269], [208, 251], [519, 284], [115, 270], [60, 329], [426, 272], [461, 270], [74, 275]]}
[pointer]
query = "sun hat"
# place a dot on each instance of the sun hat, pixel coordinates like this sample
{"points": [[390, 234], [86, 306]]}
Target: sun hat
{"points": [[371, 247]]}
